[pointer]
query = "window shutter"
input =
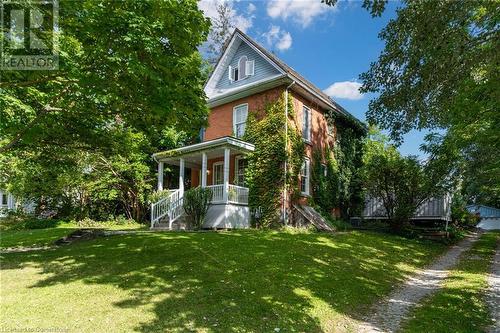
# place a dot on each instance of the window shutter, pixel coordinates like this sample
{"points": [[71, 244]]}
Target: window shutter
{"points": [[230, 73], [249, 67]]}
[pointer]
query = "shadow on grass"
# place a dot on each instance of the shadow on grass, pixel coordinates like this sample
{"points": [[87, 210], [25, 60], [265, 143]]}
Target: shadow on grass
{"points": [[238, 281]]}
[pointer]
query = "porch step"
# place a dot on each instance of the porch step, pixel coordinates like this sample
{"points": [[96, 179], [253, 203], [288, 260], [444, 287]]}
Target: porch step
{"points": [[179, 224], [313, 217]]}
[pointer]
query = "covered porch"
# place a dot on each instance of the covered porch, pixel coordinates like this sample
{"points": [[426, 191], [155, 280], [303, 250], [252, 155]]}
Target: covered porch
{"points": [[216, 164]]}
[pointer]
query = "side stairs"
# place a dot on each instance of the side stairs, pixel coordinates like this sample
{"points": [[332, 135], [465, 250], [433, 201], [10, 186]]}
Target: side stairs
{"points": [[178, 224], [311, 216]]}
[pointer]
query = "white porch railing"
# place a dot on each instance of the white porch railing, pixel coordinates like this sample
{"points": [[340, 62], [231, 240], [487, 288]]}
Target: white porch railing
{"points": [[217, 193], [238, 194], [170, 206]]}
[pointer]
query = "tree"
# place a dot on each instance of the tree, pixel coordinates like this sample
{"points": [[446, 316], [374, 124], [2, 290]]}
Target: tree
{"points": [[439, 69], [222, 27], [128, 71], [401, 183]]}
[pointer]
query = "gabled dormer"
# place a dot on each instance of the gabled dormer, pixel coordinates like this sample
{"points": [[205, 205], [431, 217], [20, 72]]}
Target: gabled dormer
{"points": [[242, 66]]}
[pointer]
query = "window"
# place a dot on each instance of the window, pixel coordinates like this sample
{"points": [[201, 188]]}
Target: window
{"points": [[240, 166], [218, 176], [304, 177], [240, 114], [201, 135], [242, 67], [242, 70], [306, 123], [324, 169]]}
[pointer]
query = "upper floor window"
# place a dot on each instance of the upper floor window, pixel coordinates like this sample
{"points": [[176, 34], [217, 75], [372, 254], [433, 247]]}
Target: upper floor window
{"points": [[305, 177], [244, 69], [240, 114], [306, 123], [201, 135]]}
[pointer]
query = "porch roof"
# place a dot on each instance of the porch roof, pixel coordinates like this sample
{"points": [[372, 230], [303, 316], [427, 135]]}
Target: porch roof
{"points": [[211, 147]]}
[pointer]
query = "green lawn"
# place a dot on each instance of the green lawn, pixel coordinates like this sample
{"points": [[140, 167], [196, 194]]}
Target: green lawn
{"points": [[245, 281], [460, 305], [43, 237], [35, 237]]}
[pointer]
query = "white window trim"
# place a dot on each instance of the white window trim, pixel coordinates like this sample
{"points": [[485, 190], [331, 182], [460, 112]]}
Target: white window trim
{"points": [[325, 170], [234, 116], [307, 164], [309, 125], [249, 72], [213, 171], [240, 65], [236, 165]]}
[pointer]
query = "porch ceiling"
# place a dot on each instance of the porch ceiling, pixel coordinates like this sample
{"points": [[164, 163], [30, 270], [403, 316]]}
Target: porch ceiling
{"points": [[192, 154]]}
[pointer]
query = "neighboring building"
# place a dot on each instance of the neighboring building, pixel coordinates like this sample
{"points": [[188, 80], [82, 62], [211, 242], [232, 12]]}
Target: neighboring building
{"points": [[7, 202], [489, 216], [437, 209], [245, 79]]}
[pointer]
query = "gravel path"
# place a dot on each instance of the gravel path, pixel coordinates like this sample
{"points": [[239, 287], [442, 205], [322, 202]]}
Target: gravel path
{"points": [[494, 292], [389, 313]]}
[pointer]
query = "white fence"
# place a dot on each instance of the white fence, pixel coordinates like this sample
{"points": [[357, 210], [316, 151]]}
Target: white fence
{"points": [[432, 209]]}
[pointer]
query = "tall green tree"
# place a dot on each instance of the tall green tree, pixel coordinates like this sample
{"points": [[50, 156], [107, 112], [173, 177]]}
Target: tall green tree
{"points": [[440, 70], [129, 71], [401, 183]]}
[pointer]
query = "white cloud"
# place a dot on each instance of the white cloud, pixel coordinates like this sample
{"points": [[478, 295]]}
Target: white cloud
{"points": [[278, 38], [345, 89], [301, 11], [285, 42], [251, 8], [242, 22]]}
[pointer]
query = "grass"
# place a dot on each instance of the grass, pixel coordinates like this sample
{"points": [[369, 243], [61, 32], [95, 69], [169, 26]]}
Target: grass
{"points": [[240, 281], [460, 305], [44, 237]]}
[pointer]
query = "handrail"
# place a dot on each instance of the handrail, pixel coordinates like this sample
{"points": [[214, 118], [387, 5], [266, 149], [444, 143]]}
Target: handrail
{"points": [[164, 206]]}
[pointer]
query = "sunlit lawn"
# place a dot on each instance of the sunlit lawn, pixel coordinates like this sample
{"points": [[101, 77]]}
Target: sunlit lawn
{"points": [[460, 306], [44, 237], [251, 281]]}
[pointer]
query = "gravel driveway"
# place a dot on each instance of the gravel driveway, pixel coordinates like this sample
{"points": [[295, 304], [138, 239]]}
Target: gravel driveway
{"points": [[494, 292], [389, 313]]}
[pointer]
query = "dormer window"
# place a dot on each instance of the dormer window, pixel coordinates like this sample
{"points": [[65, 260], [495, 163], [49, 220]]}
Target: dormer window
{"points": [[244, 69]]}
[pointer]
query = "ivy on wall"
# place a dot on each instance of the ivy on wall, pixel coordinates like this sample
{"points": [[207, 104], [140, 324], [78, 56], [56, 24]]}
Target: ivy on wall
{"points": [[265, 175], [341, 187]]}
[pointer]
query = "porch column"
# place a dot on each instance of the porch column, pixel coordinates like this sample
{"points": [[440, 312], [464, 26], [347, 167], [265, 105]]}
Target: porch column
{"points": [[181, 177], [160, 176], [227, 154], [203, 170]]}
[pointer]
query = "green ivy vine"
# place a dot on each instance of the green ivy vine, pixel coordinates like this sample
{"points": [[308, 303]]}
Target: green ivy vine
{"points": [[341, 186], [265, 172]]}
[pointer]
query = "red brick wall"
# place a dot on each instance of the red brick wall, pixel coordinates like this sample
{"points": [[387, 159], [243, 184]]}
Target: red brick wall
{"points": [[220, 122], [220, 119]]}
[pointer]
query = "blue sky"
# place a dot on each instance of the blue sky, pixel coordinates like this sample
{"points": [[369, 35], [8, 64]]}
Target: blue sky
{"points": [[328, 46]]}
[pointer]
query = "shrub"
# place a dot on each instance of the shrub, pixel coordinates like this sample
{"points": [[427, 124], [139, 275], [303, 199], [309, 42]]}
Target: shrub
{"points": [[158, 195], [196, 203], [34, 223]]}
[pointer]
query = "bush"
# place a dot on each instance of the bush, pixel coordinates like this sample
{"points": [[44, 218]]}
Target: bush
{"points": [[120, 220], [196, 203], [34, 223], [460, 216], [158, 195]]}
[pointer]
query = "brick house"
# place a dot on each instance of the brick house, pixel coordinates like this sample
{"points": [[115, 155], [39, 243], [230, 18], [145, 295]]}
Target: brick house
{"points": [[245, 79]]}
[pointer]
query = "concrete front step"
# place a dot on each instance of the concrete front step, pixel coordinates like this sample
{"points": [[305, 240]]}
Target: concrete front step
{"points": [[178, 224]]}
